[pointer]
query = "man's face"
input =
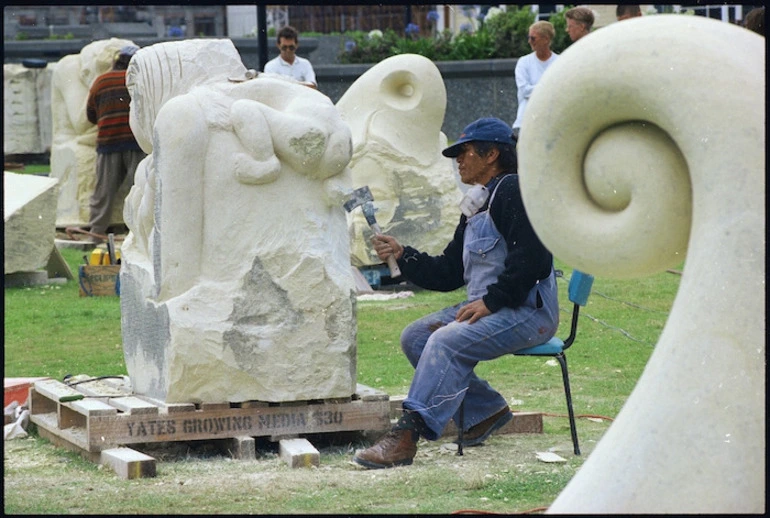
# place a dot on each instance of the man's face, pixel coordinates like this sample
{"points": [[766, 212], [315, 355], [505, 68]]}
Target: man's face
{"points": [[576, 30], [288, 48], [538, 41], [471, 166]]}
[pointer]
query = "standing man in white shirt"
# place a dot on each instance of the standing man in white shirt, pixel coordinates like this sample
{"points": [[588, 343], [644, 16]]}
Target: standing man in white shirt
{"points": [[530, 68], [288, 63]]}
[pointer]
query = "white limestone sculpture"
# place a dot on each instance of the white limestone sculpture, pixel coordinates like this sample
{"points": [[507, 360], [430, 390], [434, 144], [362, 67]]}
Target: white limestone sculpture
{"points": [[236, 281], [26, 109], [73, 150], [29, 215], [395, 111], [665, 154]]}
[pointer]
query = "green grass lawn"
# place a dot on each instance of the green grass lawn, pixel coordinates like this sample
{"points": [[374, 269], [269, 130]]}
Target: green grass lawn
{"points": [[51, 331]]}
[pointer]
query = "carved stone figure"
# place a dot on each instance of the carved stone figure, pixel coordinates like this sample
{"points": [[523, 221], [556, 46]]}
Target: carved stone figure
{"points": [[73, 150], [236, 281], [26, 109], [395, 111], [623, 176]]}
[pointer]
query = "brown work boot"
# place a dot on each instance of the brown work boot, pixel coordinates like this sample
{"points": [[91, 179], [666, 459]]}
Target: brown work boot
{"points": [[395, 448], [478, 433]]}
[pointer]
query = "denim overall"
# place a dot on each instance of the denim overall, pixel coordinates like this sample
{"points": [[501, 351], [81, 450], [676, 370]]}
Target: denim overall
{"points": [[444, 352]]}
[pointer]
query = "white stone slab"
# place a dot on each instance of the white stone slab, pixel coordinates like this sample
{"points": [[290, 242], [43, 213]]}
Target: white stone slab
{"points": [[29, 216]]}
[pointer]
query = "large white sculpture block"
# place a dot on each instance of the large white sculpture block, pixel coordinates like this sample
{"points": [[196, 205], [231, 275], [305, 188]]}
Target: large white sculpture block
{"points": [[665, 154], [26, 109], [236, 282], [73, 150], [395, 111], [29, 216]]}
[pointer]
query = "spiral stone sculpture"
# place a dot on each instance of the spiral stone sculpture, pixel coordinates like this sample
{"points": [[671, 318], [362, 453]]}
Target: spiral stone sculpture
{"points": [[643, 147]]}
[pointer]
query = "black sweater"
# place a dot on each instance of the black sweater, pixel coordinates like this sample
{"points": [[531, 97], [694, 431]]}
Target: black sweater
{"points": [[527, 261]]}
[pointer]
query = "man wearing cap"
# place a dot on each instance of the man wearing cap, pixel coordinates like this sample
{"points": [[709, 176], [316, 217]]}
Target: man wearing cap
{"points": [[118, 153], [511, 301]]}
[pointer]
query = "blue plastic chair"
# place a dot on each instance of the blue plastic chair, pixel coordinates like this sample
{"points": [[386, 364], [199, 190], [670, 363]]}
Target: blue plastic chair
{"points": [[579, 289]]}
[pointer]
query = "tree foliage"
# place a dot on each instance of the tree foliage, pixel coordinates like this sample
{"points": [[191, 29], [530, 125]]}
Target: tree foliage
{"points": [[501, 36]]}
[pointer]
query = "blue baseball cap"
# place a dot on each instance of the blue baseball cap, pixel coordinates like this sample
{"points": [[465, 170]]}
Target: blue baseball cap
{"points": [[487, 129]]}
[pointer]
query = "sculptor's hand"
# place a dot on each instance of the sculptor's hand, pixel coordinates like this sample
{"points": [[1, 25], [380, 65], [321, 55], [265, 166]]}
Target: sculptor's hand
{"points": [[473, 311], [385, 246]]}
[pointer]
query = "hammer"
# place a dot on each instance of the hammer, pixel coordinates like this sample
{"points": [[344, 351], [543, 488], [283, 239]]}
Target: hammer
{"points": [[363, 197]]}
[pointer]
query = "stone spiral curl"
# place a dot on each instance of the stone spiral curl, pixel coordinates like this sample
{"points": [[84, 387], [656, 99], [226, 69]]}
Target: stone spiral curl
{"points": [[644, 142]]}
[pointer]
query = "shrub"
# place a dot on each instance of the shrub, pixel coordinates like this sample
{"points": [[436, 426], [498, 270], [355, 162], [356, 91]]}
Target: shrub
{"points": [[509, 31], [501, 35], [561, 41]]}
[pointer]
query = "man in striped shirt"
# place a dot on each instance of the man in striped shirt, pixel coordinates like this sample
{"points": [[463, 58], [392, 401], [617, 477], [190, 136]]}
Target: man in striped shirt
{"points": [[118, 153]]}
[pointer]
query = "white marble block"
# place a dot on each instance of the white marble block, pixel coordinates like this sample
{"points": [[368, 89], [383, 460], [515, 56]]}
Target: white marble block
{"points": [[29, 216], [236, 281], [395, 111], [73, 150], [26, 109]]}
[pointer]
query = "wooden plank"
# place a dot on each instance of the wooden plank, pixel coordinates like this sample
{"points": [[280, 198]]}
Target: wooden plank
{"points": [[522, 422], [243, 448], [57, 391], [75, 437], [395, 406], [92, 407], [128, 463], [255, 404], [233, 422], [100, 388], [365, 393], [213, 407], [168, 408], [299, 453], [66, 443], [133, 405]]}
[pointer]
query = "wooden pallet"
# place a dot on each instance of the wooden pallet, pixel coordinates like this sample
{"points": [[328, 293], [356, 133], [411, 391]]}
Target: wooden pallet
{"points": [[101, 416]]}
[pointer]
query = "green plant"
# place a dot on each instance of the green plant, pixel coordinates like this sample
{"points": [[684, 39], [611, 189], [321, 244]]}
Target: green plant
{"points": [[561, 40], [509, 31], [21, 36], [501, 36]]}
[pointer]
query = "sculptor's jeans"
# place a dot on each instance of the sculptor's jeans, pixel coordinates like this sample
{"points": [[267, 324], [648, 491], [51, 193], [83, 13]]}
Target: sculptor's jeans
{"points": [[445, 352]]}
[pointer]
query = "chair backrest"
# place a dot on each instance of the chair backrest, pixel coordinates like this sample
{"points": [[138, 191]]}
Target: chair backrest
{"points": [[579, 288]]}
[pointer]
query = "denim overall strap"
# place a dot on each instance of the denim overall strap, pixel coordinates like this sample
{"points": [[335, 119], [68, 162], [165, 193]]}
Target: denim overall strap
{"points": [[484, 252]]}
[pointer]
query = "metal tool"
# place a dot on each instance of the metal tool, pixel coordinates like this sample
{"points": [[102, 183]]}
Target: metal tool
{"points": [[362, 197], [111, 247]]}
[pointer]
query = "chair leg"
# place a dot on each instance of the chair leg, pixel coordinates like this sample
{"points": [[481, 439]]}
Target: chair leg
{"points": [[460, 427], [573, 429]]}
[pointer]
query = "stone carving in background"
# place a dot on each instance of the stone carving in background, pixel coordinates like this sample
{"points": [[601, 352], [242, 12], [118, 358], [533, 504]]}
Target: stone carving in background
{"points": [[73, 150], [236, 282], [26, 109], [620, 177], [395, 111], [29, 212]]}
